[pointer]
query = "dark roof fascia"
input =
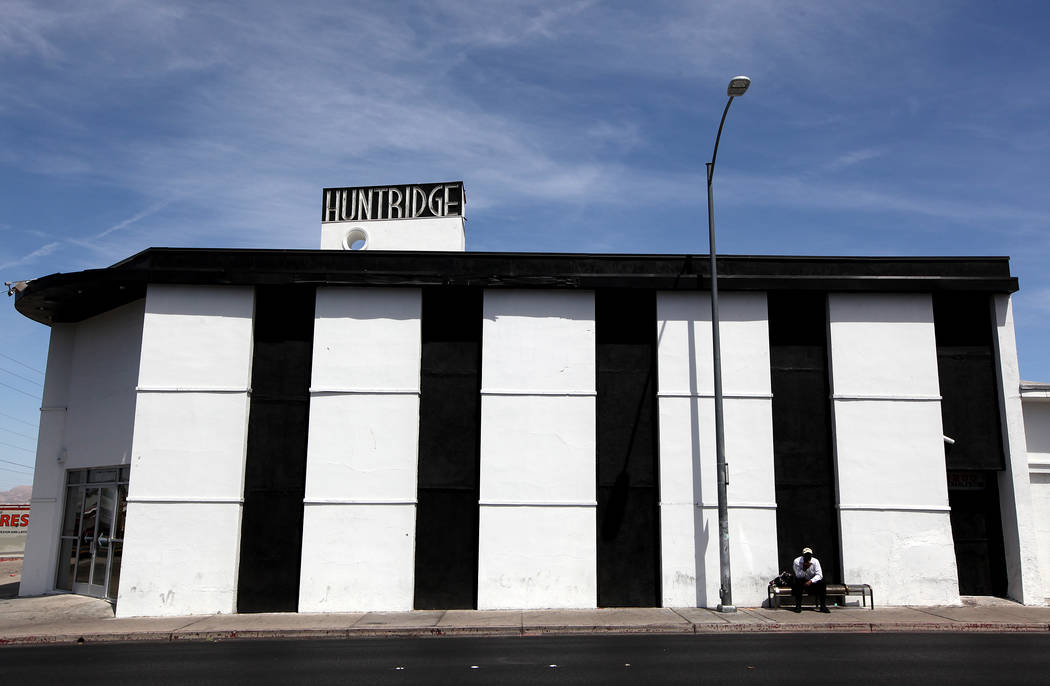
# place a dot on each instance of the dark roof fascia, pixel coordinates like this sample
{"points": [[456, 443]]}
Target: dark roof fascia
{"points": [[76, 296]]}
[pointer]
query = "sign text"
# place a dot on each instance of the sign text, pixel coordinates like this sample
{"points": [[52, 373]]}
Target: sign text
{"points": [[392, 202]]}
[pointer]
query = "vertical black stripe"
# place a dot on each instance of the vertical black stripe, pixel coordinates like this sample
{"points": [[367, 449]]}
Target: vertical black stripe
{"points": [[970, 415], [966, 371], [803, 460], [275, 468], [627, 481], [449, 449]]}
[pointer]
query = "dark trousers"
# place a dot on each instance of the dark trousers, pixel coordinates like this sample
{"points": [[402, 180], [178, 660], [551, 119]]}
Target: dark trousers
{"points": [[817, 588]]}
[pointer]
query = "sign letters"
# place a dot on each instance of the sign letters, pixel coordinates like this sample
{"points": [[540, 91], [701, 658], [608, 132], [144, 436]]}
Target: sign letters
{"points": [[13, 518], [392, 202]]}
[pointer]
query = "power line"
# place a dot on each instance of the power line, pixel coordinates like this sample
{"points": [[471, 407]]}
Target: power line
{"points": [[19, 390], [18, 434], [18, 420], [23, 378], [18, 464], [17, 447], [32, 369], [5, 469]]}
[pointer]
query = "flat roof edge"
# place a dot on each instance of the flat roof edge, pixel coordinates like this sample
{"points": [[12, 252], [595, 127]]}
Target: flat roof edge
{"points": [[67, 297]]}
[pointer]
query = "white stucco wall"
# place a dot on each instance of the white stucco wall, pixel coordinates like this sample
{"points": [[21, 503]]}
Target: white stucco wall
{"points": [[182, 540], [1020, 538], [41, 551], [427, 233], [688, 494], [1036, 412], [87, 419], [537, 536], [1037, 437], [894, 518], [360, 503]]}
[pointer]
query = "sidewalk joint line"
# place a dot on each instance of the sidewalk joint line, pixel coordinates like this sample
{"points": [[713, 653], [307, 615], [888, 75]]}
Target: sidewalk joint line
{"points": [[196, 620], [687, 620], [934, 614]]}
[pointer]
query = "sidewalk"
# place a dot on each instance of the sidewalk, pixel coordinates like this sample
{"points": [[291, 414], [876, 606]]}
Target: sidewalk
{"points": [[78, 619]]}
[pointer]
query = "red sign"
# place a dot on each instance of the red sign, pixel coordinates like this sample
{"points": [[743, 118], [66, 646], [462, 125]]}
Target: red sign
{"points": [[14, 519]]}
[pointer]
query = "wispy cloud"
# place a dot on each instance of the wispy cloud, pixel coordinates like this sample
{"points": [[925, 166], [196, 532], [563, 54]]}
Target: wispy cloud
{"points": [[824, 193], [530, 103], [24, 27], [42, 251], [155, 207], [855, 157]]}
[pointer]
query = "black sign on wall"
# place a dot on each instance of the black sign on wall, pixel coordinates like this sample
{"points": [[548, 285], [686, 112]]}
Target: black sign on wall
{"points": [[368, 203]]}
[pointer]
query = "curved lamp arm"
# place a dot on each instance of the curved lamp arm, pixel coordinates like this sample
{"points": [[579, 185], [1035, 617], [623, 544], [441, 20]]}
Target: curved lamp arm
{"points": [[714, 155]]}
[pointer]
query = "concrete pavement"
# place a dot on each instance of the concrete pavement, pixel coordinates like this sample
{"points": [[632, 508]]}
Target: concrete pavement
{"points": [[68, 618], [74, 619]]}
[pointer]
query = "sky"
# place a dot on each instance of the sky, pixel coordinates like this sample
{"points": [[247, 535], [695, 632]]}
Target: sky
{"points": [[871, 128]]}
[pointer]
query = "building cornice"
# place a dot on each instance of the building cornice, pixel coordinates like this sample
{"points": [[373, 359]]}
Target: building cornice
{"points": [[72, 297]]}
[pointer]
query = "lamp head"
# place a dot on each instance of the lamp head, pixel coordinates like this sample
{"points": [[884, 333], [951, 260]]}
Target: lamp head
{"points": [[738, 86]]}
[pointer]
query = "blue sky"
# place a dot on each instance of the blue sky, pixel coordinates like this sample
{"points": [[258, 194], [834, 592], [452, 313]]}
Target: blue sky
{"points": [[871, 128]]}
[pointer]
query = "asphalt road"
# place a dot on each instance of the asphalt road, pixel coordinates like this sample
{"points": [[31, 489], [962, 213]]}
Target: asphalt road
{"points": [[814, 659]]}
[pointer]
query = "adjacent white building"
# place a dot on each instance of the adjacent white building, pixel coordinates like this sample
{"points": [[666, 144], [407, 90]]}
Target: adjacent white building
{"points": [[392, 423], [1035, 402]]}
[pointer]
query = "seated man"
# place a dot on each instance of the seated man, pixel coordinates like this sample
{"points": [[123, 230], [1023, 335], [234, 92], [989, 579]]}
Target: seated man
{"points": [[808, 575]]}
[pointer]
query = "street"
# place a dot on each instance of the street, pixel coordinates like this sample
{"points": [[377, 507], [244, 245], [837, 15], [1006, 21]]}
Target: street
{"points": [[927, 659]]}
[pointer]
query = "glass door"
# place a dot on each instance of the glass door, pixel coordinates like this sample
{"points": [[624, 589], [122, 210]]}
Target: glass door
{"points": [[93, 532]]}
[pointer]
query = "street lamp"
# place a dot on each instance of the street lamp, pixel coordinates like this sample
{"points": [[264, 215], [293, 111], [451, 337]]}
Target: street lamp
{"points": [[737, 87]]}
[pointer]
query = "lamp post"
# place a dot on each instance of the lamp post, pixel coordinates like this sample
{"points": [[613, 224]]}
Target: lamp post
{"points": [[737, 86]]}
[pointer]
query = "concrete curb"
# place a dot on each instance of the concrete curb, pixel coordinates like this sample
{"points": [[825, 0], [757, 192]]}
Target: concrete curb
{"points": [[962, 627], [74, 638]]}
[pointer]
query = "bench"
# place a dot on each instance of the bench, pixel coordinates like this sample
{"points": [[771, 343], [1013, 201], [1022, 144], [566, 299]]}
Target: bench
{"points": [[834, 591]]}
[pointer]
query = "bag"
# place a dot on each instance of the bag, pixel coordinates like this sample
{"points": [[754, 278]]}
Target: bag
{"points": [[783, 580]]}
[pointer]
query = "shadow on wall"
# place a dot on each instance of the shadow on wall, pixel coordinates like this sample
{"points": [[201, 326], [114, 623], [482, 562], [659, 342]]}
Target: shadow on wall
{"points": [[700, 527], [702, 539]]}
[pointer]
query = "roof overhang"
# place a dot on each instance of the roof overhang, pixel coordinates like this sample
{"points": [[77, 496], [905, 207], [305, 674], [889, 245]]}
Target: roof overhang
{"points": [[75, 296]]}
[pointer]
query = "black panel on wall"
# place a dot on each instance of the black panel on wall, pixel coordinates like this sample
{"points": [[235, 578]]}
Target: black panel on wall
{"points": [[970, 414], [449, 449], [275, 467], [977, 532], [803, 461], [966, 369], [628, 486]]}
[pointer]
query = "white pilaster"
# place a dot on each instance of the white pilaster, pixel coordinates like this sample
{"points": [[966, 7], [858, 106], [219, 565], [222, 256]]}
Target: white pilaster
{"points": [[1020, 538], [889, 448], [537, 538], [187, 476], [360, 517], [688, 487]]}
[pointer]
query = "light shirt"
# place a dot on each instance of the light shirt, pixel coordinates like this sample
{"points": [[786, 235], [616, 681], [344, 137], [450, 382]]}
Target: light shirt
{"points": [[813, 573]]}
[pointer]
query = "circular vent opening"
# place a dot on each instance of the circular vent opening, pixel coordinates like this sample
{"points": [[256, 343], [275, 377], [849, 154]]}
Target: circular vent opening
{"points": [[356, 239]]}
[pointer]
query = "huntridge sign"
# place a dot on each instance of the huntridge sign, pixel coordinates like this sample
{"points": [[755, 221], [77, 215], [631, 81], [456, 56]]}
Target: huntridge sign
{"points": [[368, 203]]}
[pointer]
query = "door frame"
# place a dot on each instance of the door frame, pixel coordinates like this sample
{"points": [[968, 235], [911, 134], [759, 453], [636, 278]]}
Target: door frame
{"points": [[101, 539]]}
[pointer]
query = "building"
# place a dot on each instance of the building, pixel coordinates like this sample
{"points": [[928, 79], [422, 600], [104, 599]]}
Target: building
{"points": [[1035, 401], [392, 423]]}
